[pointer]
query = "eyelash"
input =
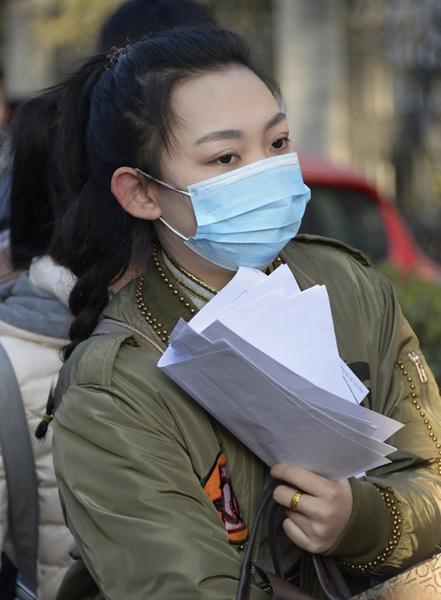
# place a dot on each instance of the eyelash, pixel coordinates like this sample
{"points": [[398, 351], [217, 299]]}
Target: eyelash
{"points": [[219, 160], [285, 139]]}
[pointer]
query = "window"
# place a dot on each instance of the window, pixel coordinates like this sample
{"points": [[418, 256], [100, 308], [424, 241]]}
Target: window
{"points": [[348, 215]]}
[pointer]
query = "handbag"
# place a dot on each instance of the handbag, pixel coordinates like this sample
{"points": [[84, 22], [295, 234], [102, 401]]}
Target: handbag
{"points": [[422, 582]]}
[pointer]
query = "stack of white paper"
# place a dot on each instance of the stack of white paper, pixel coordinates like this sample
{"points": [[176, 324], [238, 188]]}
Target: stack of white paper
{"points": [[262, 358]]}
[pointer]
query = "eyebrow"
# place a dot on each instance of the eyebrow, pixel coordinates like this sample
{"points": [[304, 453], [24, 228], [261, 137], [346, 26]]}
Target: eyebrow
{"points": [[275, 121], [228, 134]]}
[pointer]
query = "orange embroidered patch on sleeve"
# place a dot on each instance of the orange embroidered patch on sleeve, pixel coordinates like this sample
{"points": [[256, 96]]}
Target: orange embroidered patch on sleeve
{"points": [[219, 489]]}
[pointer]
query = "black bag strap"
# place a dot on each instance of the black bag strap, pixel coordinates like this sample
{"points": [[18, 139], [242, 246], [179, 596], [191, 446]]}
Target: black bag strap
{"points": [[24, 593], [21, 477], [328, 573], [243, 589]]}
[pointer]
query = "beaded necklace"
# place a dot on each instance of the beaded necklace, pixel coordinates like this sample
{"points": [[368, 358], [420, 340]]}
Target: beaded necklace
{"points": [[192, 277], [157, 326], [173, 286], [194, 290]]}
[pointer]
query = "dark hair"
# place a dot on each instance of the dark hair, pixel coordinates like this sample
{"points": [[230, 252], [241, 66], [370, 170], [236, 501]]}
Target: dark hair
{"points": [[136, 18], [113, 113], [32, 178]]}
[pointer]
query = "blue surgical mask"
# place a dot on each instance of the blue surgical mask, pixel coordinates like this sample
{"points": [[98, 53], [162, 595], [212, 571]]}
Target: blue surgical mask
{"points": [[246, 216]]}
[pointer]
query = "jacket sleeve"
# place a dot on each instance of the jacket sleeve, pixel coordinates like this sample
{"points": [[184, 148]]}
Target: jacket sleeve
{"points": [[396, 519], [144, 524]]}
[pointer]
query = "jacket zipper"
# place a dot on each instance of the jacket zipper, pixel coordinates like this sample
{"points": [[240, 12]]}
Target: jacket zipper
{"points": [[257, 543], [418, 365], [259, 533]]}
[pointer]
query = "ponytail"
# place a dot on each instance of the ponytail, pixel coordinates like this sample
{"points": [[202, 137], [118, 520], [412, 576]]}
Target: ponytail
{"points": [[94, 236], [74, 99]]}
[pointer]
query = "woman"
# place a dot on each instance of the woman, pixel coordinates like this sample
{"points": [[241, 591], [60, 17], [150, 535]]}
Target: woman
{"points": [[138, 462], [34, 326]]}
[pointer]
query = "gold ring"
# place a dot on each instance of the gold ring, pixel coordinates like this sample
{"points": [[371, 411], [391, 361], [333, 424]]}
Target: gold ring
{"points": [[295, 500]]}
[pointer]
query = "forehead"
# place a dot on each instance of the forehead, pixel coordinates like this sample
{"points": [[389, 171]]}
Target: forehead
{"points": [[232, 99]]}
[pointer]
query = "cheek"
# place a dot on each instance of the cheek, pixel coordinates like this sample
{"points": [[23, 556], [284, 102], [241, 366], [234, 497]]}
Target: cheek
{"points": [[190, 219], [178, 212]]}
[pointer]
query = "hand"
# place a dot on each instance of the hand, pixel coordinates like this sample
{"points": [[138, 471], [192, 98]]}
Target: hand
{"points": [[322, 512]]}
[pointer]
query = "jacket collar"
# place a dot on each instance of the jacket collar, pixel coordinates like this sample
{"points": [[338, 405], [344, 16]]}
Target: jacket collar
{"points": [[166, 306], [159, 299]]}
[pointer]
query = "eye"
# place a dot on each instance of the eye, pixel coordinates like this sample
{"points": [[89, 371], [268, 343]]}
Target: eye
{"points": [[226, 159], [281, 143]]}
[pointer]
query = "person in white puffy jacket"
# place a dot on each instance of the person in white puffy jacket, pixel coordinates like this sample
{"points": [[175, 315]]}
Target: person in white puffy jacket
{"points": [[34, 322], [34, 326]]}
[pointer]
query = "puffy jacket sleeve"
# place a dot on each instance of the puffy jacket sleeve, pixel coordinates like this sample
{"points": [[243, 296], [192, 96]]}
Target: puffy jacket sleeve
{"points": [[396, 519], [133, 501]]}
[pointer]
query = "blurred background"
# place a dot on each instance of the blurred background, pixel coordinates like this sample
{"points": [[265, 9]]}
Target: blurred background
{"points": [[362, 83], [361, 78]]}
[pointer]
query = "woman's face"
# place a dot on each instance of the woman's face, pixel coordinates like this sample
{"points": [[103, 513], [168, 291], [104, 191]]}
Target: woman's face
{"points": [[223, 120]]}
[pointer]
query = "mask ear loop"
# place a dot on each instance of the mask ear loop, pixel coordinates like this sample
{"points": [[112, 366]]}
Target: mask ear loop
{"points": [[170, 187], [167, 185], [173, 230]]}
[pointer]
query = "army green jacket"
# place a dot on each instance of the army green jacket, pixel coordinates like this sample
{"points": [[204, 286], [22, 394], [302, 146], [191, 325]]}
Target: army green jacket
{"points": [[139, 462]]}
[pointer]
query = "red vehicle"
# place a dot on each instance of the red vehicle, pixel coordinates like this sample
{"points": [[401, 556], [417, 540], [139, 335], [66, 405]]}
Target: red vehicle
{"points": [[346, 207]]}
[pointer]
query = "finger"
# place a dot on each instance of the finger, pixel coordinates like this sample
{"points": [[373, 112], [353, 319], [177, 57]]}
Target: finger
{"points": [[284, 495], [309, 482], [307, 505], [315, 531], [302, 521], [297, 535]]}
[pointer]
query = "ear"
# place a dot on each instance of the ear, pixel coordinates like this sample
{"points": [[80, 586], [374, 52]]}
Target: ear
{"points": [[137, 197]]}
